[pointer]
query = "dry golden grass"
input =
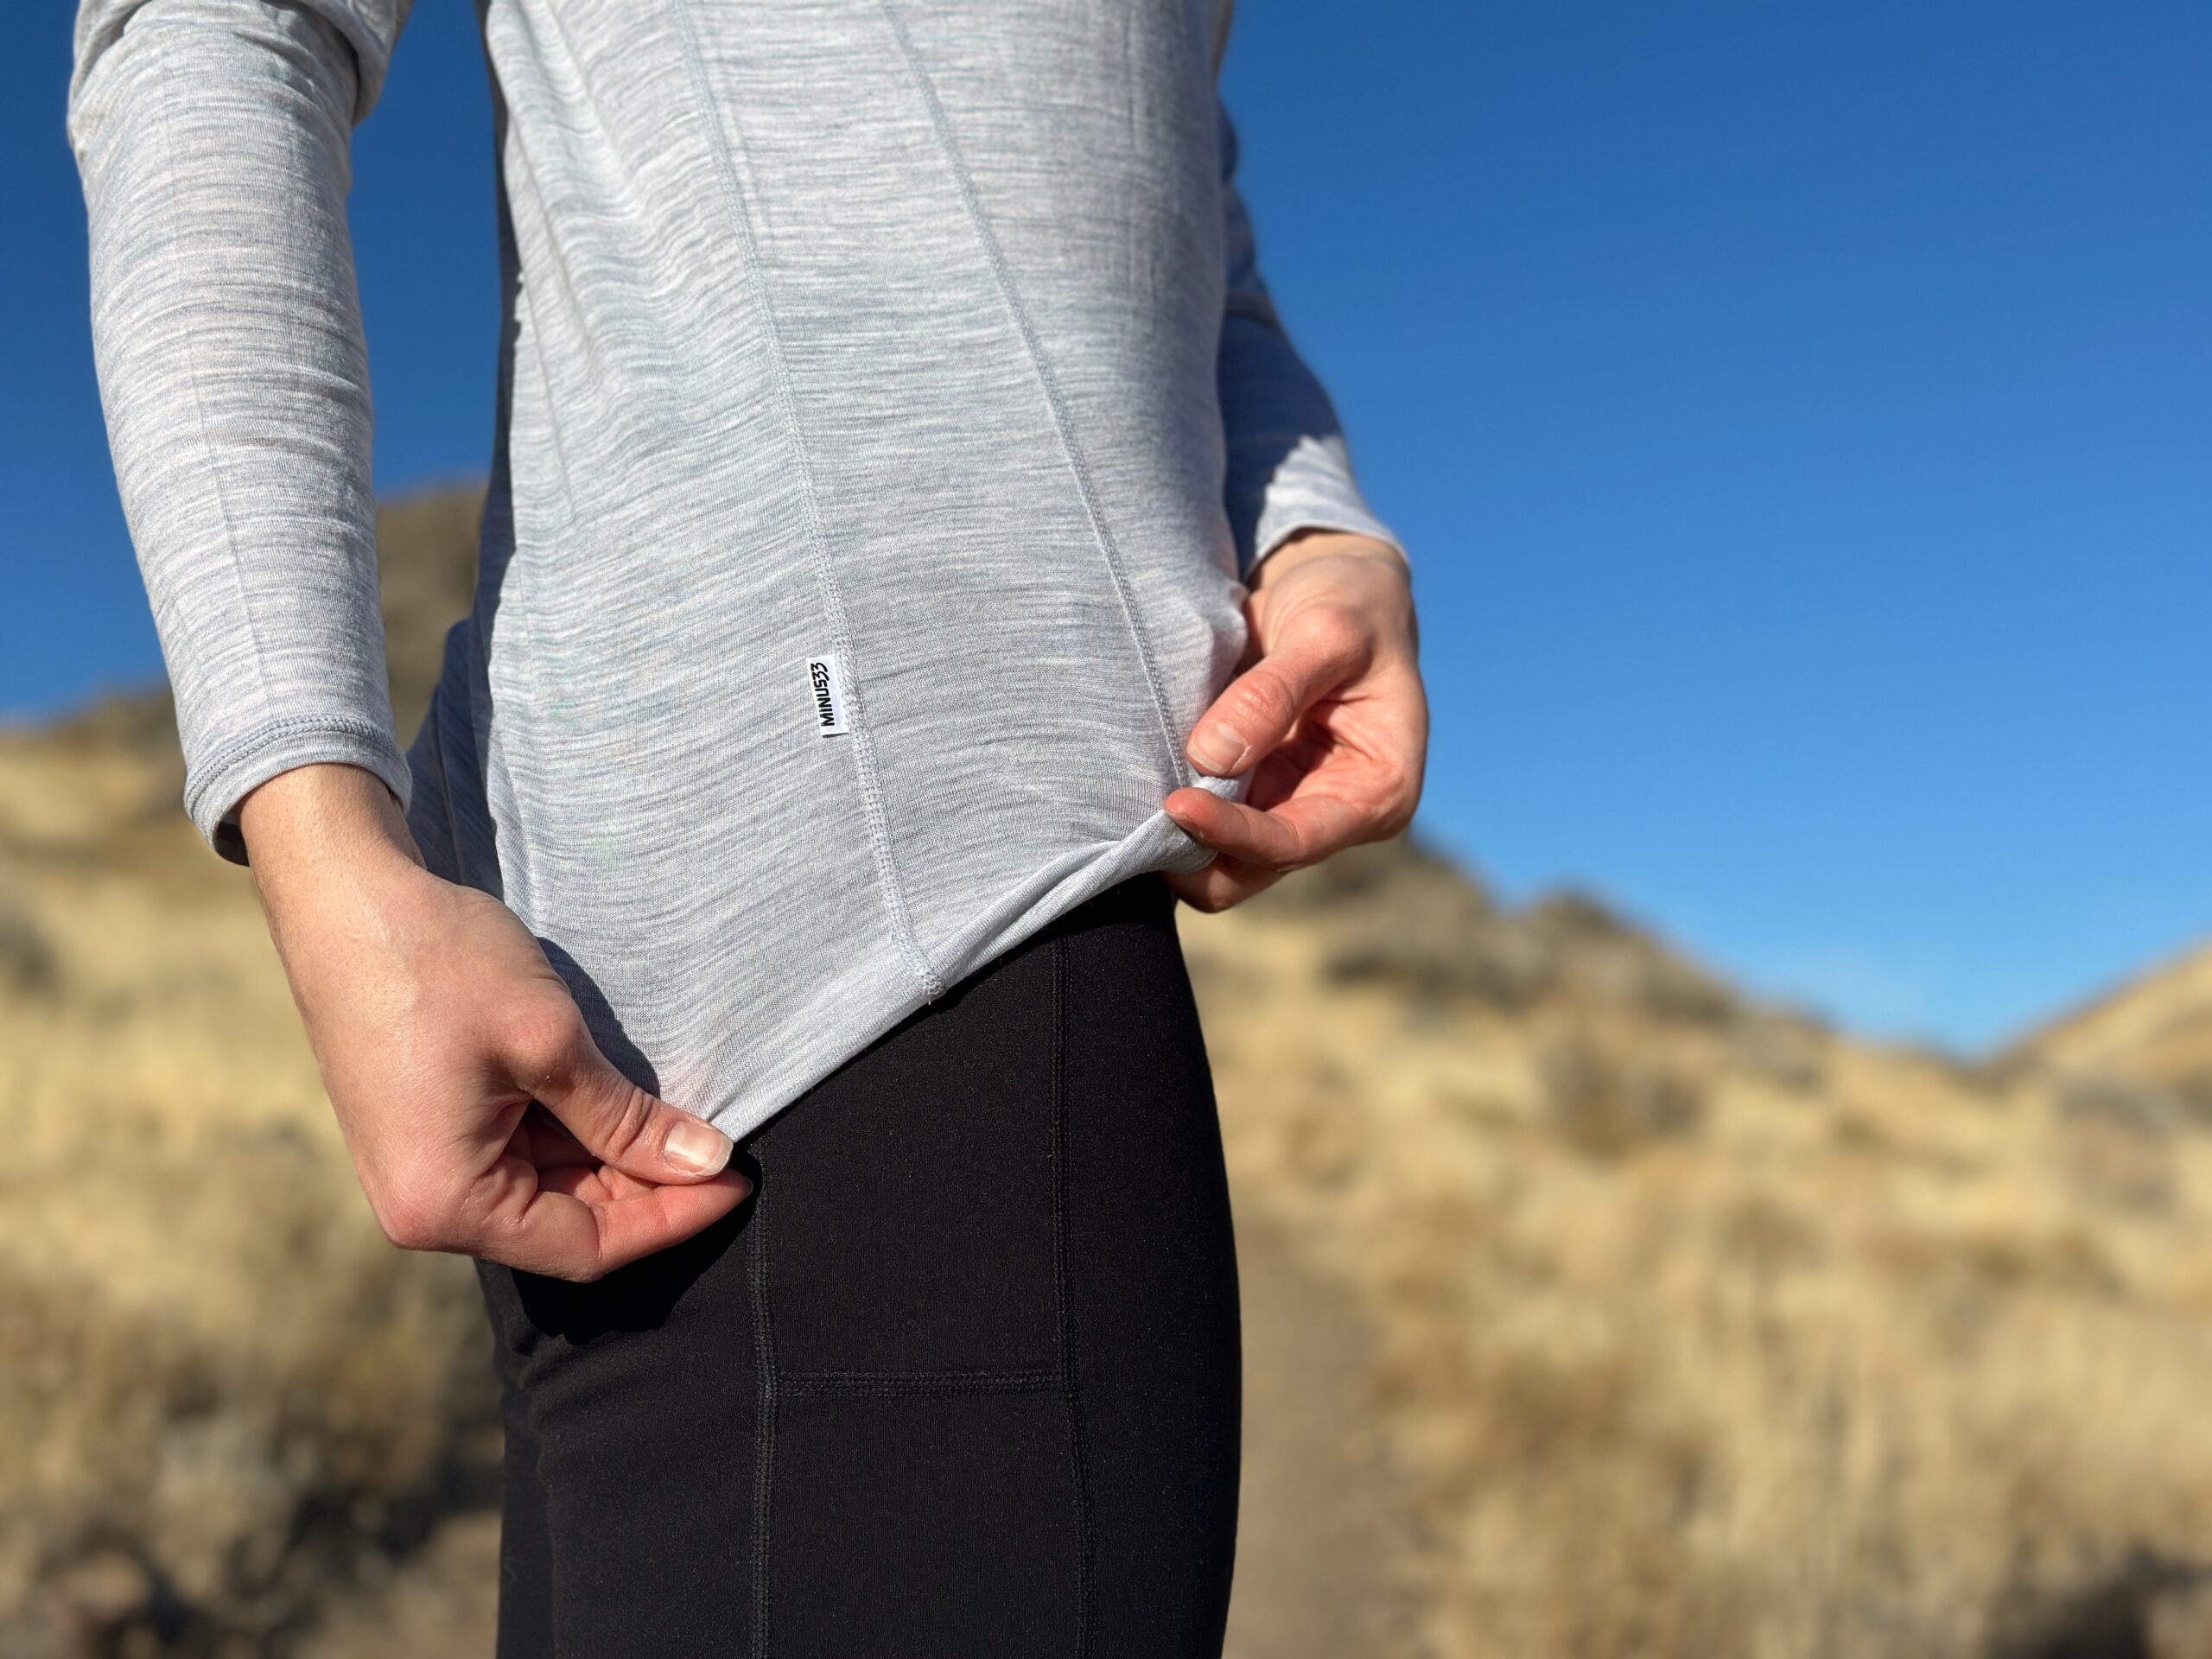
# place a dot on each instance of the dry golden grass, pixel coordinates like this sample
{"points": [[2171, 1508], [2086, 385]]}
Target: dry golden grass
{"points": [[221, 1386], [1668, 1326], [1707, 1333]]}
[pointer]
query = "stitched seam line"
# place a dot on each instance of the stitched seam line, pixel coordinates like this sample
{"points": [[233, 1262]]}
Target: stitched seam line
{"points": [[212, 773], [902, 1384], [833, 605], [269, 731], [941, 128], [763, 1451], [1062, 1294]]}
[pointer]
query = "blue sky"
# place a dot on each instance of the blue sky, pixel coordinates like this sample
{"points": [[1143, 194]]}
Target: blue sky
{"points": [[1801, 414]]}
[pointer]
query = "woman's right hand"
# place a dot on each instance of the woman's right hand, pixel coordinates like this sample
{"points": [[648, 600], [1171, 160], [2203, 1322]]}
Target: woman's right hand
{"points": [[438, 1021]]}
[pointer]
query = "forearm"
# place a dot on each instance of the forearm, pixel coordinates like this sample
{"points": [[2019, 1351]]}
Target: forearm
{"points": [[1287, 470], [212, 138]]}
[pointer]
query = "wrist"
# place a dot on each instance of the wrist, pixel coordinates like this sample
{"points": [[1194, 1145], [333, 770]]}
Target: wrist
{"points": [[1304, 546], [323, 817]]}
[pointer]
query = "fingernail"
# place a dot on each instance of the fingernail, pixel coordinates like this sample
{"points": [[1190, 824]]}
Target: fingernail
{"points": [[699, 1148], [1219, 749]]}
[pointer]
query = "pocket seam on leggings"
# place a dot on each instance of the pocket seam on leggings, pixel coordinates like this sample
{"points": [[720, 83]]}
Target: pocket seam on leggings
{"points": [[1064, 1310]]}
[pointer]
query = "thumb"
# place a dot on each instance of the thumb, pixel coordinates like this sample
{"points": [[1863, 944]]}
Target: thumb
{"points": [[1318, 649], [623, 1125]]}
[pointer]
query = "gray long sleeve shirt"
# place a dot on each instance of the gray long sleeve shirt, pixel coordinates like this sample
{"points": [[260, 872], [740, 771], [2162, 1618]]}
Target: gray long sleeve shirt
{"points": [[889, 409]]}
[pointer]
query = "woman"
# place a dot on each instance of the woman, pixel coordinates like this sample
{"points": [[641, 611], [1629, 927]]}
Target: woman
{"points": [[914, 554]]}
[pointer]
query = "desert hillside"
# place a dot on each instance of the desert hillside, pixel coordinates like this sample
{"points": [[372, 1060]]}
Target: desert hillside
{"points": [[2154, 1032], [1592, 1309]]}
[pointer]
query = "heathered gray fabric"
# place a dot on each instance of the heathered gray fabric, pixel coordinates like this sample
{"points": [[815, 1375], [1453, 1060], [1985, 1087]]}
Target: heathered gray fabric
{"points": [[927, 335]]}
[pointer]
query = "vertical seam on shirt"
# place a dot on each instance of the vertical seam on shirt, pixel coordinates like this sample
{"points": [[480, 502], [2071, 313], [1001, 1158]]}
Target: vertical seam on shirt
{"points": [[833, 605], [764, 1451], [1063, 1296], [941, 130]]}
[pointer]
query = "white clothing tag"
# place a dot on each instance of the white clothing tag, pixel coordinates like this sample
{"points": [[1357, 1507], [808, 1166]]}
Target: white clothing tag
{"points": [[825, 685]]}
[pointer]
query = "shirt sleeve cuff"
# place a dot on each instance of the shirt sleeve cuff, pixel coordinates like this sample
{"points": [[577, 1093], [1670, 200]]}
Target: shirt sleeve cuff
{"points": [[214, 787], [1309, 487]]}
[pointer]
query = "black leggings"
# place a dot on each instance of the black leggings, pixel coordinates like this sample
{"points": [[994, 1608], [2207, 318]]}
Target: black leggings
{"points": [[960, 1379]]}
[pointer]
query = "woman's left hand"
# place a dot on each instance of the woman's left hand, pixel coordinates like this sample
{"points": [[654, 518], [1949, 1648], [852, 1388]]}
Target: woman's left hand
{"points": [[1328, 715]]}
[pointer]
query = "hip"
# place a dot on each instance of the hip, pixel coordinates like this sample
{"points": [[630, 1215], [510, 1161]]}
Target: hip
{"points": [[965, 1367]]}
